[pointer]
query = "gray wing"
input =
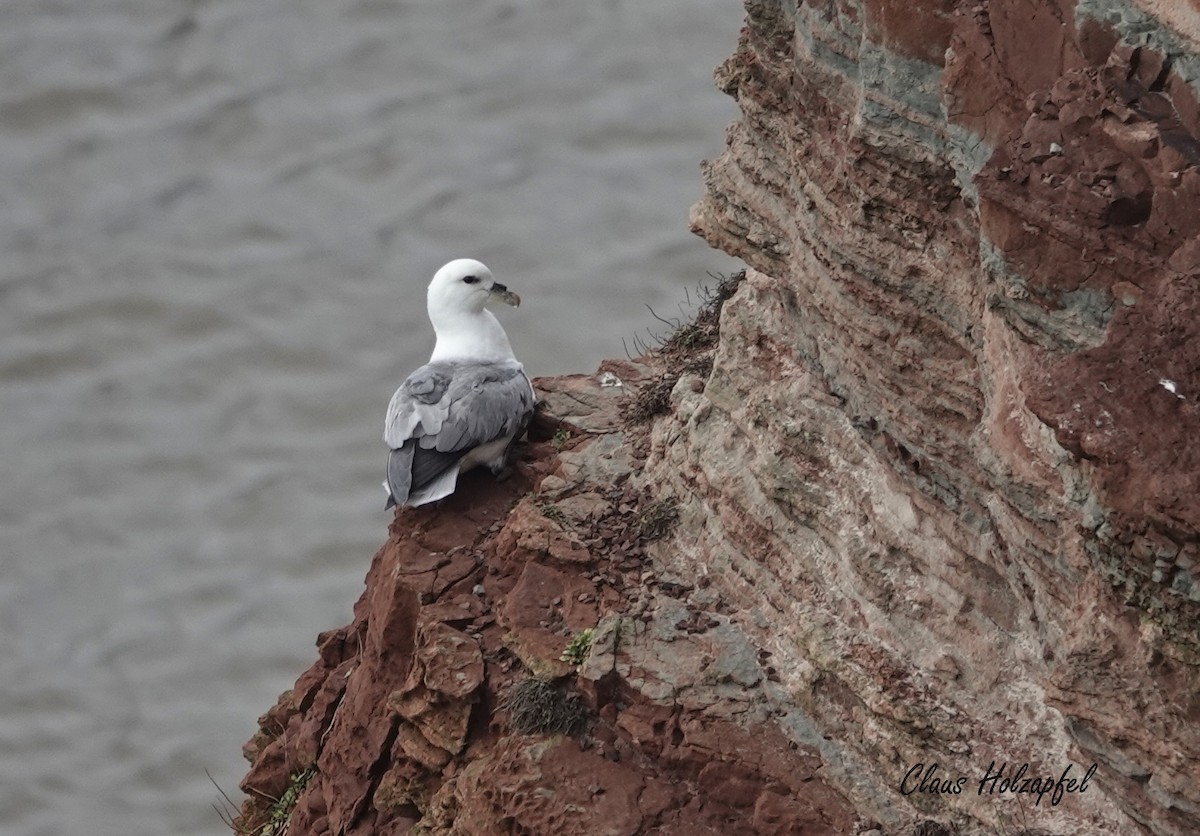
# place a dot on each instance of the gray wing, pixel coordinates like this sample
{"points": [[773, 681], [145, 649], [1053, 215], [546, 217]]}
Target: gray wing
{"points": [[444, 410], [418, 408]]}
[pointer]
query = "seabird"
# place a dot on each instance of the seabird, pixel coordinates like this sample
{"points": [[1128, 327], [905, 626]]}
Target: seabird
{"points": [[469, 403]]}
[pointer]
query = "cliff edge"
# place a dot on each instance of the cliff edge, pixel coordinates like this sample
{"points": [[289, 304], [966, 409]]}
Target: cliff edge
{"points": [[912, 503]]}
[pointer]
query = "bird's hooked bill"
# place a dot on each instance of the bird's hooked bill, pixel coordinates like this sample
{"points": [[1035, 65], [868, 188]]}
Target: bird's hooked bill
{"points": [[505, 295]]}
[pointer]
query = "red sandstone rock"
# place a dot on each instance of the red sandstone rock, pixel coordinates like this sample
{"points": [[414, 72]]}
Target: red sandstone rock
{"points": [[992, 269], [402, 715]]}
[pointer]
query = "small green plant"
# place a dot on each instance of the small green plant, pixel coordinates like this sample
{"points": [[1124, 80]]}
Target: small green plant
{"points": [[281, 811], [578, 649], [537, 705], [561, 437], [553, 512]]}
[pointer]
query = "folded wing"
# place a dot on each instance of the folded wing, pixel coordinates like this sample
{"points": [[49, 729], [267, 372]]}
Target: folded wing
{"points": [[441, 413]]}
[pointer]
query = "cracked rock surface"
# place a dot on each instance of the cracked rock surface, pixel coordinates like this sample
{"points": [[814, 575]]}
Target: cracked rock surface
{"points": [[404, 717]]}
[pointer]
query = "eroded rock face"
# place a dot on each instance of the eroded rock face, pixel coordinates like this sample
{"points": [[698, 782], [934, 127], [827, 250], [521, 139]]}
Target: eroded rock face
{"points": [[930, 498], [404, 722], [966, 480]]}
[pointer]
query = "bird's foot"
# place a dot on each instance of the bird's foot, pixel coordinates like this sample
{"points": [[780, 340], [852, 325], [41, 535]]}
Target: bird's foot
{"points": [[502, 473]]}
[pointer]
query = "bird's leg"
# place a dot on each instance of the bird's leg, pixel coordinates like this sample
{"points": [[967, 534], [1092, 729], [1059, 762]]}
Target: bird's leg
{"points": [[501, 471]]}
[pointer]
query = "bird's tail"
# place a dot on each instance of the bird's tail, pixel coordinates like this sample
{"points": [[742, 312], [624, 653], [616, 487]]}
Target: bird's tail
{"points": [[399, 474], [412, 469]]}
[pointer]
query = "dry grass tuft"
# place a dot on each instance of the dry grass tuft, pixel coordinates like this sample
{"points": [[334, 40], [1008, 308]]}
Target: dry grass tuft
{"points": [[538, 706]]}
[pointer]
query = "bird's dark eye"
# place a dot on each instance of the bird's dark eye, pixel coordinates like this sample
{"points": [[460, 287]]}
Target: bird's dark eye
{"points": [[470, 279]]}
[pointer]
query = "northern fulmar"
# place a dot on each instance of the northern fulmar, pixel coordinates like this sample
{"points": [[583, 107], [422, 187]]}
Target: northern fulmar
{"points": [[469, 403]]}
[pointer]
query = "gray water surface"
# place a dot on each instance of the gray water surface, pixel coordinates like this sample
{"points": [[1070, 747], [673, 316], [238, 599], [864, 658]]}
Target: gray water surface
{"points": [[217, 220]]}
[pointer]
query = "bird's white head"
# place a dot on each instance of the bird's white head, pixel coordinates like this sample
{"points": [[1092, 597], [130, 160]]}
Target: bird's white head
{"points": [[466, 285], [456, 300]]}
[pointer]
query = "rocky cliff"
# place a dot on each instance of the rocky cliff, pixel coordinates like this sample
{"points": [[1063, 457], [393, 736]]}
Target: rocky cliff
{"points": [[915, 499]]}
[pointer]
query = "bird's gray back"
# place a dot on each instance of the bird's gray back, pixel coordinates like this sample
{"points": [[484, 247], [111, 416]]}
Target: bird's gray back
{"points": [[458, 406]]}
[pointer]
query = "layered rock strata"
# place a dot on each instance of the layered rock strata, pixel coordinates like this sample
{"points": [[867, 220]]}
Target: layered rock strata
{"points": [[406, 720], [961, 386]]}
